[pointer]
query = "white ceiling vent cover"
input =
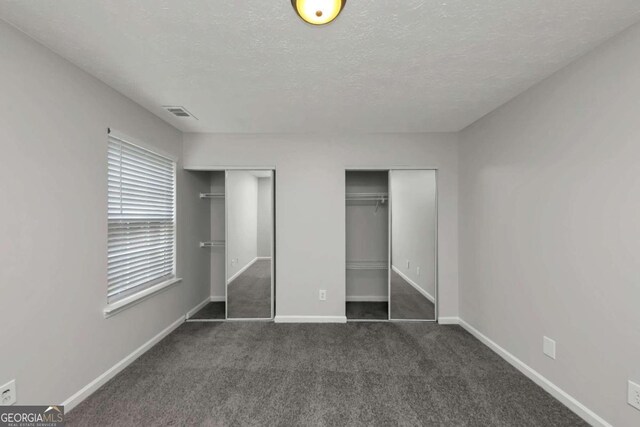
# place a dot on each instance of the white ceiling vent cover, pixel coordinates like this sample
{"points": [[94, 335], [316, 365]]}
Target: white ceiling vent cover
{"points": [[178, 111]]}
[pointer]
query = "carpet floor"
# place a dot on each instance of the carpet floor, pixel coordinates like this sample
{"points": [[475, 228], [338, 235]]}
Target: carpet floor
{"points": [[211, 311], [354, 374], [249, 295], [407, 303]]}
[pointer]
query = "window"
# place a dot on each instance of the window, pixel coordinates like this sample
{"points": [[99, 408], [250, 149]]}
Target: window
{"points": [[142, 219]]}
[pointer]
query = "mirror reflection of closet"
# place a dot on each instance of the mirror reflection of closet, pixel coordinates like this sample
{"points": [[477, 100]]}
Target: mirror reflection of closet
{"points": [[413, 276], [249, 261]]}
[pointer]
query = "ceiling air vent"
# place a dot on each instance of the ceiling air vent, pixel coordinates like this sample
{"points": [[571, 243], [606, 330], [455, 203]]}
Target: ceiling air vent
{"points": [[178, 111]]}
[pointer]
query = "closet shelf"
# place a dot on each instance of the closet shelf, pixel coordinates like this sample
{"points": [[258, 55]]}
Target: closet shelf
{"points": [[212, 244], [367, 265], [212, 195]]}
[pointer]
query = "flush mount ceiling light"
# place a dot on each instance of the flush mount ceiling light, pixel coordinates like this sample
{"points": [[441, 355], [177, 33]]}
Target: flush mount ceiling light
{"points": [[318, 12]]}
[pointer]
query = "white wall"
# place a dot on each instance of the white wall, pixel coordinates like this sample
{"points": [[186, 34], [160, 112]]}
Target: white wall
{"points": [[53, 227], [242, 220], [310, 188], [413, 226], [265, 218], [550, 227]]}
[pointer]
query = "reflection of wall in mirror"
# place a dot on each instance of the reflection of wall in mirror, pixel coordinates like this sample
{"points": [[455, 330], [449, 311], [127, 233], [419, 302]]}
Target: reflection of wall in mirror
{"points": [[414, 226], [264, 217], [242, 220]]}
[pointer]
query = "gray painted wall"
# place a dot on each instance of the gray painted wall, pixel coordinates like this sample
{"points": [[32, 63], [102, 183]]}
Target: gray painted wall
{"points": [[242, 220], [413, 226], [265, 218], [53, 256], [310, 220], [550, 227]]}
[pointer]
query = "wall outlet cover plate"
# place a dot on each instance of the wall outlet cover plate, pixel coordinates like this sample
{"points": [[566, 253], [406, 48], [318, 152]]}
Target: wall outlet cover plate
{"points": [[634, 395], [8, 393], [549, 347]]}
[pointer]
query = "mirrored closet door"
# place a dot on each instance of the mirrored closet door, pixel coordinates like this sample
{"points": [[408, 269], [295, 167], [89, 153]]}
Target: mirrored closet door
{"points": [[249, 244], [413, 274]]}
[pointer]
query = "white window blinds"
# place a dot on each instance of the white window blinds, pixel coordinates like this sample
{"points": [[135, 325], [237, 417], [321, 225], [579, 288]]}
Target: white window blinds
{"points": [[142, 219]]}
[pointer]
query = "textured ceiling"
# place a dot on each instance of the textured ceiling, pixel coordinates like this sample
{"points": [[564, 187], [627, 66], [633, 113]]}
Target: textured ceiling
{"points": [[382, 66]]}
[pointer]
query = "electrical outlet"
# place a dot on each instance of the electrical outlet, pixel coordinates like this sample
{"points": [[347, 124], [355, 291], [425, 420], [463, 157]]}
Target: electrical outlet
{"points": [[549, 347], [634, 395], [417, 271], [8, 393], [322, 295]]}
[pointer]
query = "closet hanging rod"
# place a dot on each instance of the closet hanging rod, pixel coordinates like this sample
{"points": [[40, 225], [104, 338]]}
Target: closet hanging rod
{"points": [[212, 195], [212, 244], [367, 196], [367, 265]]}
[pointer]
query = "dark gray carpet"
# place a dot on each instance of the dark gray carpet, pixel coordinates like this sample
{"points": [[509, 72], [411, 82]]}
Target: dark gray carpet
{"points": [[367, 310], [249, 295], [407, 303], [354, 374], [211, 311]]}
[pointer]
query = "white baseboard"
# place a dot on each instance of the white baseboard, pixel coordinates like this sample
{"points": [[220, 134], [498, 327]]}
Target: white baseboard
{"points": [[367, 298], [263, 257], [449, 320], [217, 299], [310, 319], [566, 399], [197, 308], [242, 270], [426, 294], [94, 385]]}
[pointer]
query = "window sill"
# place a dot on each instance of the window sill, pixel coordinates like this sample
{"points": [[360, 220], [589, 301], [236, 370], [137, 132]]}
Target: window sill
{"points": [[123, 304]]}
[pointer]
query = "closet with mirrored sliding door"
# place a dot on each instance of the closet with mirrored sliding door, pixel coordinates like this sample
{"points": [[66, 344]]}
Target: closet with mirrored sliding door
{"points": [[239, 245], [391, 245]]}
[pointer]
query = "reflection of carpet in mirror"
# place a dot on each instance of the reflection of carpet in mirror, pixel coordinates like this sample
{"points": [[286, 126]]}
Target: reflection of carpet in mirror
{"points": [[407, 302], [249, 295]]}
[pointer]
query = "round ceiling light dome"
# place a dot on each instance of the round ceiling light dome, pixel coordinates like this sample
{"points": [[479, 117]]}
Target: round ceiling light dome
{"points": [[318, 12]]}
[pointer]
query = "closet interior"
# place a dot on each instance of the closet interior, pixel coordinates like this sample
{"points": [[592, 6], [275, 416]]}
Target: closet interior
{"points": [[367, 245], [237, 244], [212, 200]]}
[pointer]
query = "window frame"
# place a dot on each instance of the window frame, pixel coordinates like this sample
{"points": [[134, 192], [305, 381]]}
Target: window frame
{"points": [[145, 290]]}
